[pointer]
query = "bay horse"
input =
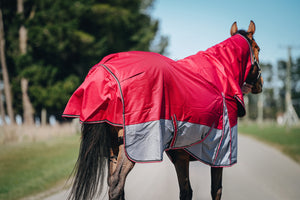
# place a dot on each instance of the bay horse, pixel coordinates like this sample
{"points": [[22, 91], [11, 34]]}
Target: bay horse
{"points": [[104, 143]]}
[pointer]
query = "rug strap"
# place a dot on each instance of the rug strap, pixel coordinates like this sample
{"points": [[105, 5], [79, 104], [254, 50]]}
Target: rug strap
{"points": [[120, 140]]}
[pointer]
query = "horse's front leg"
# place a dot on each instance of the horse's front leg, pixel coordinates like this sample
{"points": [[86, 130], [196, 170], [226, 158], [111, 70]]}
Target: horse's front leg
{"points": [[216, 182], [119, 168], [181, 160]]}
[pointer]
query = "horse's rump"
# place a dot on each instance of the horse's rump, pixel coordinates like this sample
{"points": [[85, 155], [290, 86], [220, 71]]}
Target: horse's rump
{"points": [[163, 104]]}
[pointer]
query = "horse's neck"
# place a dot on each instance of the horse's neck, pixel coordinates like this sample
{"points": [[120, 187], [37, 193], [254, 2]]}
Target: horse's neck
{"points": [[232, 55]]}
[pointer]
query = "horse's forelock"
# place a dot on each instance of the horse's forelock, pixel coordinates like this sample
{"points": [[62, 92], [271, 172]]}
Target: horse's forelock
{"points": [[245, 34]]}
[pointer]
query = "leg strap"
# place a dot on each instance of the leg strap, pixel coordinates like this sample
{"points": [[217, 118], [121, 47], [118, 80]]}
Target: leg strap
{"points": [[120, 140], [114, 158]]}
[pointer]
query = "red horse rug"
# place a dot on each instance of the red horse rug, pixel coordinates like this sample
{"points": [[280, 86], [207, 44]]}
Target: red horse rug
{"points": [[162, 104]]}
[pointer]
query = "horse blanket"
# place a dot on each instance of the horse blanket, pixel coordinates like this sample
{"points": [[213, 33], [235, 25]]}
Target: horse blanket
{"points": [[162, 104]]}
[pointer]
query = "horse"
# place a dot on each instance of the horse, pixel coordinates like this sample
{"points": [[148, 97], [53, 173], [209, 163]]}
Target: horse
{"points": [[105, 142]]}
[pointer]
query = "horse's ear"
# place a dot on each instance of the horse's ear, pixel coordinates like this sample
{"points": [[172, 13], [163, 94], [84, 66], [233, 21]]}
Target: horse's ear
{"points": [[233, 29], [251, 29]]}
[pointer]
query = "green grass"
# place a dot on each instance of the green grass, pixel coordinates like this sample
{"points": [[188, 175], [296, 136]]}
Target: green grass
{"points": [[32, 167], [285, 139]]}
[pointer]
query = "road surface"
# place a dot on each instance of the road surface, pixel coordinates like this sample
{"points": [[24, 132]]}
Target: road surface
{"points": [[262, 173]]}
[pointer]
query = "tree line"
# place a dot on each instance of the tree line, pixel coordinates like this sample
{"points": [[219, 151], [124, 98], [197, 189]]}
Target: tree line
{"points": [[274, 90], [48, 46]]}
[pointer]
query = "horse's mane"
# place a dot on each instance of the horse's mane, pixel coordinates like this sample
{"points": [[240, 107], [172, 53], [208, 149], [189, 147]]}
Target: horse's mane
{"points": [[245, 34]]}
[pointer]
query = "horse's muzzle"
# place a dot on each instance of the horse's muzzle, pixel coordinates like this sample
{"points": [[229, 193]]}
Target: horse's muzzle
{"points": [[257, 88]]}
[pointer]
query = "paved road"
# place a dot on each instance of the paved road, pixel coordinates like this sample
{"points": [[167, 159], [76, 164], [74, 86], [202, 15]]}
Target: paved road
{"points": [[262, 173]]}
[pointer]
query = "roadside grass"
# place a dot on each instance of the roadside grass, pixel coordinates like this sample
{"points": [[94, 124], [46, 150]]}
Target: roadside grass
{"points": [[285, 139], [31, 167]]}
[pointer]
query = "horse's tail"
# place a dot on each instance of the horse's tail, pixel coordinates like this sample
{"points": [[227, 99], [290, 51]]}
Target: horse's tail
{"points": [[92, 161]]}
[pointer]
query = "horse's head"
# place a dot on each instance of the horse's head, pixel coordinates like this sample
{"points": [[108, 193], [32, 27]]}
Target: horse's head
{"points": [[254, 77]]}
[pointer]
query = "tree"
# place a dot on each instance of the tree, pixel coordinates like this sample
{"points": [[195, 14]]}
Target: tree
{"points": [[2, 111], [27, 106], [22, 29], [269, 104], [7, 89], [28, 111], [295, 71], [65, 38], [295, 84]]}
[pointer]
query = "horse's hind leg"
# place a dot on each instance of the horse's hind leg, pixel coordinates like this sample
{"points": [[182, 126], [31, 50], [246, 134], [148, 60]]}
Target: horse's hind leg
{"points": [[181, 160], [119, 168], [216, 182]]}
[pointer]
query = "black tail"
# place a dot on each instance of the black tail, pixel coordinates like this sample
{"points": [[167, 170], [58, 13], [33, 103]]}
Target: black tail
{"points": [[92, 161]]}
